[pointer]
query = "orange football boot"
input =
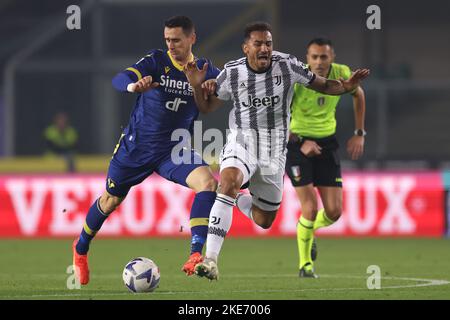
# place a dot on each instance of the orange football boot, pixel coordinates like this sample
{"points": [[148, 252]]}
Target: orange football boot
{"points": [[80, 265], [189, 266]]}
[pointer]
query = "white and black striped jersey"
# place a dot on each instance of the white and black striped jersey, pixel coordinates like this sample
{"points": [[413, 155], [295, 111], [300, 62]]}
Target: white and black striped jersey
{"points": [[261, 101]]}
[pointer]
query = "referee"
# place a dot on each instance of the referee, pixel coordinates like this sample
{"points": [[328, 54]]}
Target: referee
{"points": [[312, 159]]}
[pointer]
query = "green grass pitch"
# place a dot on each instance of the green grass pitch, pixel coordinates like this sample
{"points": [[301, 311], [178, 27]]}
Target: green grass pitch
{"points": [[250, 268]]}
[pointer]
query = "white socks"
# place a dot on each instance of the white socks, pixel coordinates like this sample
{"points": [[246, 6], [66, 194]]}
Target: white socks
{"points": [[220, 220], [244, 202]]}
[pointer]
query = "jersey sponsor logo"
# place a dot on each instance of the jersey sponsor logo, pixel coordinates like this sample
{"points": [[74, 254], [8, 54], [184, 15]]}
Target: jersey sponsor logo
{"points": [[176, 86], [268, 101], [321, 101], [175, 104]]}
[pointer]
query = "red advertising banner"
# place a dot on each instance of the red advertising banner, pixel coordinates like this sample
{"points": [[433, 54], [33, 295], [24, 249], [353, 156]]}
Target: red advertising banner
{"points": [[375, 204]]}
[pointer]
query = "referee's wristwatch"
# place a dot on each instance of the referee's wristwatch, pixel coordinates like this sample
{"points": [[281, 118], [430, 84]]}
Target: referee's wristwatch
{"points": [[360, 132]]}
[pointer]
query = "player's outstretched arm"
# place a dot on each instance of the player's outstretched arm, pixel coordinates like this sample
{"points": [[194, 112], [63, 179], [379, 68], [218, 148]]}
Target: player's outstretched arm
{"points": [[203, 90], [142, 85], [341, 86]]}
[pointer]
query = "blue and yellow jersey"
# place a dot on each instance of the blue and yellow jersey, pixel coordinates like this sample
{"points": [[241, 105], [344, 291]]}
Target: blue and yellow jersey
{"points": [[160, 111]]}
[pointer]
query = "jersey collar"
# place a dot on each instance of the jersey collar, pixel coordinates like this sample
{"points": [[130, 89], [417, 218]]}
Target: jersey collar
{"points": [[254, 71], [176, 64]]}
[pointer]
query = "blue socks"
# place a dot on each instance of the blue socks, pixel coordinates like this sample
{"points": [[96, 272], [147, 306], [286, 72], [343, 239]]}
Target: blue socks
{"points": [[94, 221], [199, 218]]}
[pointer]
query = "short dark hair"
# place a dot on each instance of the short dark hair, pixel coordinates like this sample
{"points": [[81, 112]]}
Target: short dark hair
{"points": [[320, 42], [256, 26], [180, 21]]}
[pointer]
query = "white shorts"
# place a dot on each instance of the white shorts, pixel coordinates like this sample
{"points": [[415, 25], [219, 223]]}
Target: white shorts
{"points": [[265, 177]]}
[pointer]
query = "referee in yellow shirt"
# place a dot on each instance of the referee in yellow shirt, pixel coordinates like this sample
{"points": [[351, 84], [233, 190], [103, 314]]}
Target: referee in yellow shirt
{"points": [[312, 159]]}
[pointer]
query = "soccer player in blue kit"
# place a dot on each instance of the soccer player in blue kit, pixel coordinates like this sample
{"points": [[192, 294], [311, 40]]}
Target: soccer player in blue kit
{"points": [[165, 103]]}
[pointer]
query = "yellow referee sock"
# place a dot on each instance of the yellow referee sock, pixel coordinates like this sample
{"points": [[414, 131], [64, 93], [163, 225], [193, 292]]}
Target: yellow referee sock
{"points": [[322, 220], [305, 236]]}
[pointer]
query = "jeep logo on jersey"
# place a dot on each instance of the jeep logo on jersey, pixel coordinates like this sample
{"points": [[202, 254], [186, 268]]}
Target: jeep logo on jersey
{"points": [[175, 104], [258, 102]]}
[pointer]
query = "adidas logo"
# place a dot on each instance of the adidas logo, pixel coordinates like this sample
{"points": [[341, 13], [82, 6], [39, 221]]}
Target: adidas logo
{"points": [[243, 85]]}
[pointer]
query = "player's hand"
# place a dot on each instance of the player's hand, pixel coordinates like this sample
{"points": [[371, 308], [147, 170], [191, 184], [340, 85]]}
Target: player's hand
{"points": [[355, 147], [209, 88], [354, 81], [142, 85], [310, 148], [195, 75]]}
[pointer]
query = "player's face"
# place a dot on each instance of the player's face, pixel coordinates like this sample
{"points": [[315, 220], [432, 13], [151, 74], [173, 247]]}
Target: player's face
{"points": [[179, 44], [258, 49], [320, 58]]}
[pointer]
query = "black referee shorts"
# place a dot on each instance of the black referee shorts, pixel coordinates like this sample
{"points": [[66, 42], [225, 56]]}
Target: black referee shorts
{"points": [[323, 170]]}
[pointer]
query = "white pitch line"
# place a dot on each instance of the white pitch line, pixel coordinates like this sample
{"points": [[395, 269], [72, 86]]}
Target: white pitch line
{"points": [[427, 283]]}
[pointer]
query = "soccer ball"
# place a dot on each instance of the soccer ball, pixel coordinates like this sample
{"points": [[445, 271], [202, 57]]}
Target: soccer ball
{"points": [[141, 275]]}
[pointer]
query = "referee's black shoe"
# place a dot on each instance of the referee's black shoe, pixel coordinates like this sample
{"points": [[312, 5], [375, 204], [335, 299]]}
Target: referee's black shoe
{"points": [[307, 271]]}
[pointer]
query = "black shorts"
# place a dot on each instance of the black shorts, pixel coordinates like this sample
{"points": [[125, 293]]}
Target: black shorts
{"points": [[323, 170]]}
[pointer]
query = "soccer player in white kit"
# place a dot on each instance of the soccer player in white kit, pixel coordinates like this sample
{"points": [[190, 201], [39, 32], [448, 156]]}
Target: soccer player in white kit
{"points": [[260, 86]]}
